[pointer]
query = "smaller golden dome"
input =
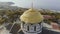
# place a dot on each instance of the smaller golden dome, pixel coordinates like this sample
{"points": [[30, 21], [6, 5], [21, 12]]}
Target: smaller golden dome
{"points": [[31, 16]]}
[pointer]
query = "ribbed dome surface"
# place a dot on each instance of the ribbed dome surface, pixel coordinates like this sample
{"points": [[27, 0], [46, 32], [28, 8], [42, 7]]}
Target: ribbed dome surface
{"points": [[31, 16]]}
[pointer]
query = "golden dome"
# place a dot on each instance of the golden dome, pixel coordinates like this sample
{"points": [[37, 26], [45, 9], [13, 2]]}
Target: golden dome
{"points": [[31, 16]]}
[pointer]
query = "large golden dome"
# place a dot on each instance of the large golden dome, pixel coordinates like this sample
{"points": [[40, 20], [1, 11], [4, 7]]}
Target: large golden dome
{"points": [[31, 16]]}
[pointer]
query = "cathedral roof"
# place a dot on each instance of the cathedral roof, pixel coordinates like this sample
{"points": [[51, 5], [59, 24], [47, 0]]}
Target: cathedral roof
{"points": [[31, 16]]}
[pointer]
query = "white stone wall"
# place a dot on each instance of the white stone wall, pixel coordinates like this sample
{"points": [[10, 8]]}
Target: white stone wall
{"points": [[31, 28]]}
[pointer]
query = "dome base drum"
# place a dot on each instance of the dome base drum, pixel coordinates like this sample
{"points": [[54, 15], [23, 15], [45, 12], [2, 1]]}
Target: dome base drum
{"points": [[31, 28]]}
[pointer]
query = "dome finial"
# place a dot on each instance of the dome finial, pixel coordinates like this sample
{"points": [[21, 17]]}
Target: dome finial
{"points": [[32, 5]]}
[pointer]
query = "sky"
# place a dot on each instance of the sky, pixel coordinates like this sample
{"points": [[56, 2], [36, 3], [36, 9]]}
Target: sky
{"points": [[46, 4]]}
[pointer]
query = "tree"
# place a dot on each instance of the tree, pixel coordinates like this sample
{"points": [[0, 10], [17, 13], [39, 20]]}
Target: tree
{"points": [[11, 15], [2, 20]]}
